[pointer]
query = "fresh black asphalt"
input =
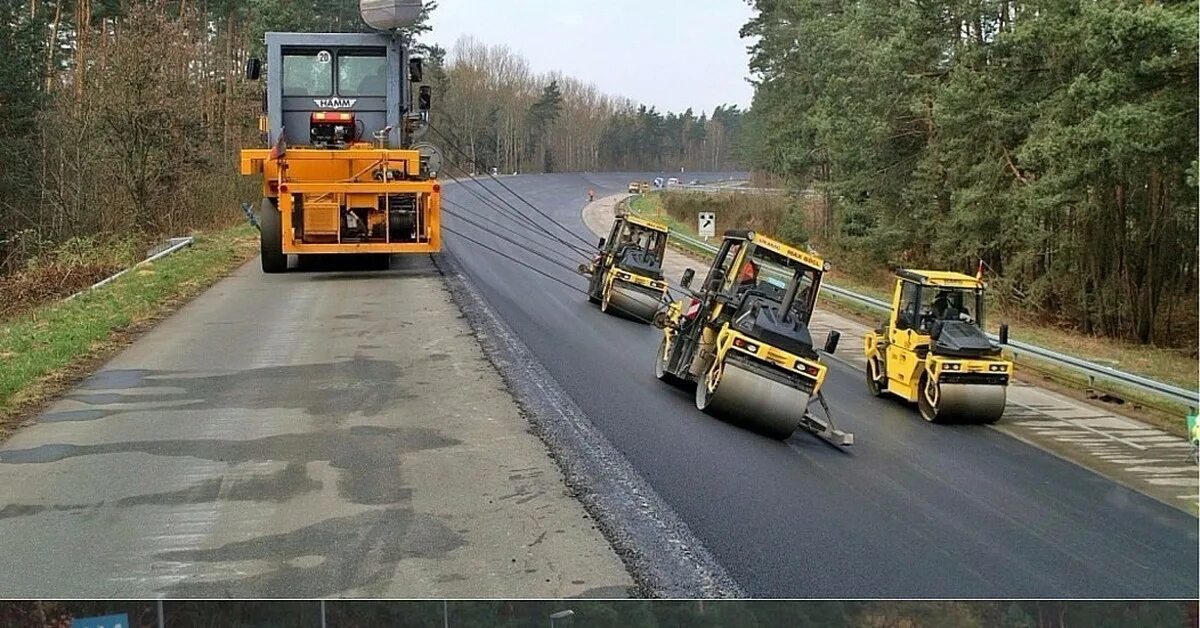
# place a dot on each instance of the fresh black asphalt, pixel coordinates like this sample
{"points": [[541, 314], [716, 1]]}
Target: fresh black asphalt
{"points": [[911, 510]]}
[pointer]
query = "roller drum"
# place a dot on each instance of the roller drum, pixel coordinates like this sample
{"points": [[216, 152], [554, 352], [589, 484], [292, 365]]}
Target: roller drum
{"points": [[633, 303], [964, 403], [760, 404]]}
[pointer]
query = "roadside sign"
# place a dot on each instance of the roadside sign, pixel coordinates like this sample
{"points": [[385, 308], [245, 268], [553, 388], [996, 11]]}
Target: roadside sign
{"points": [[708, 224], [108, 621]]}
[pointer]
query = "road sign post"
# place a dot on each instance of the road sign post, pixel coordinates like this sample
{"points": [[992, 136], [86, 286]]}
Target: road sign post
{"points": [[707, 224]]}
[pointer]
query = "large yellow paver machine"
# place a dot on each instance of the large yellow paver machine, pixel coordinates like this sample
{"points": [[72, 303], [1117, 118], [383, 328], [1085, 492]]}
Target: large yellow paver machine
{"points": [[933, 349], [743, 339], [626, 276], [343, 172]]}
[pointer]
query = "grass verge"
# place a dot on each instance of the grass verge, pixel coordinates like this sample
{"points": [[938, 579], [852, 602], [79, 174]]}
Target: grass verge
{"points": [[47, 348], [64, 270], [1160, 364]]}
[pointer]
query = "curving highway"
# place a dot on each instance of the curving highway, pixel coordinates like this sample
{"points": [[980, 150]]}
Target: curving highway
{"points": [[912, 510], [329, 433]]}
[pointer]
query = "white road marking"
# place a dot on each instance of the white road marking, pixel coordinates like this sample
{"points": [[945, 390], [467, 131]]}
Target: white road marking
{"points": [[1156, 470], [1174, 481], [1106, 434]]}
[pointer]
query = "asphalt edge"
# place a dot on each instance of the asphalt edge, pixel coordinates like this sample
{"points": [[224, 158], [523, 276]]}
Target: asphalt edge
{"points": [[660, 552]]}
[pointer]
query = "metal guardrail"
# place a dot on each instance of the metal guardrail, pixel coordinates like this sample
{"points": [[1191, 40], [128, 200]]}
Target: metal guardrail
{"points": [[725, 189], [1091, 370], [173, 245]]}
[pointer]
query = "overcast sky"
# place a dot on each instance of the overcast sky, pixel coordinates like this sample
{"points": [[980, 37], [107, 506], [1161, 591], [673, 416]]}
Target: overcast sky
{"points": [[672, 54]]}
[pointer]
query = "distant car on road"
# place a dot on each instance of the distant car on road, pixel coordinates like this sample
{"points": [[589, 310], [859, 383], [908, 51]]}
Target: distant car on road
{"points": [[673, 181], [694, 182], [658, 182]]}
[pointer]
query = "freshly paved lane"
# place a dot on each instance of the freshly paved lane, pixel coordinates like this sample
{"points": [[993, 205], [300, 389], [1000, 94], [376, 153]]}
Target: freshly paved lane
{"points": [[912, 510]]}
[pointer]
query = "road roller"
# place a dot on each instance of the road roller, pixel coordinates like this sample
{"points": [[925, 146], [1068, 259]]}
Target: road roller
{"points": [[626, 275], [933, 350], [743, 339]]}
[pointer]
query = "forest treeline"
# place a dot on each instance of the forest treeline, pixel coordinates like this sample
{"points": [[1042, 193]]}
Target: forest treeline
{"points": [[504, 115], [618, 614], [1054, 139], [126, 116]]}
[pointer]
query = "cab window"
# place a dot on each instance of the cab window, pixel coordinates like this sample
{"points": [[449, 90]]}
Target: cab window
{"points": [[949, 304], [653, 242], [307, 73], [910, 303], [772, 275], [729, 253], [362, 74]]}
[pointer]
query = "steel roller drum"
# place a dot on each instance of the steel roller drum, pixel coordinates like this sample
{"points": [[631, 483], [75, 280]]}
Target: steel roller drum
{"points": [[760, 404], [633, 303], [968, 403]]}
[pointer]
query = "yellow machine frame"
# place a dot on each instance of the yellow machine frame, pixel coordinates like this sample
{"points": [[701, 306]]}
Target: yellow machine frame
{"points": [[612, 276], [905, 365], [724, 336], [717, 342], [330, 179]]}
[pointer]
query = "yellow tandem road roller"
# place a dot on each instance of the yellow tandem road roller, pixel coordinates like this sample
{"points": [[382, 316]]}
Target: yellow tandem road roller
{"points": [[933, 350], [743, 339], [626, 276]]}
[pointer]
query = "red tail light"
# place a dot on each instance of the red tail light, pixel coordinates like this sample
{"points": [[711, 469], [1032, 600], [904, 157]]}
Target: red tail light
{"points": [[335, 116], [742, 344], [810, 369]]}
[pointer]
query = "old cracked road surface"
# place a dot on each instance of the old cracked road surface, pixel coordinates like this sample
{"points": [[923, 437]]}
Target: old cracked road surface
{"points": [[913, 510], [299, 435]]}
